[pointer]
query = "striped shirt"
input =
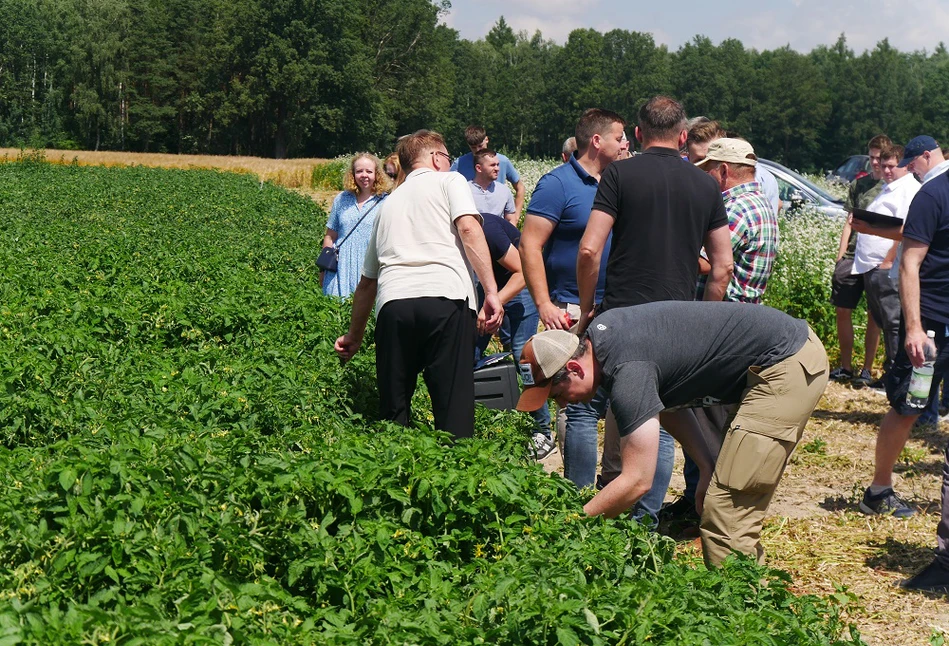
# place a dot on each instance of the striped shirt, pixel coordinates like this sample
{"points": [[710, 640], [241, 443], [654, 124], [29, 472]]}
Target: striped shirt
{"points": [[754, 234]]}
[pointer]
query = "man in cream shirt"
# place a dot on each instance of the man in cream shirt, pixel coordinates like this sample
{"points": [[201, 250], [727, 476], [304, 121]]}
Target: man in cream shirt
{"points": [[875, 255], [425, 242]]}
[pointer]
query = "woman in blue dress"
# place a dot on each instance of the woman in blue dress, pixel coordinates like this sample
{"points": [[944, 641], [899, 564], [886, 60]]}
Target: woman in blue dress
{"points": [[366, 185]]}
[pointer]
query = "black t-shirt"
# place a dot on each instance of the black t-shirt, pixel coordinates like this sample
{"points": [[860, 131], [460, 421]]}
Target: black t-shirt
{"points": [[670, 354], [501, 235], [928, 222], [663, 207]]}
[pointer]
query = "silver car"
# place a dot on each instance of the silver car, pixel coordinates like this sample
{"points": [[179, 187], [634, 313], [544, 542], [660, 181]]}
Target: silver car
{"points": [[798, 193]]}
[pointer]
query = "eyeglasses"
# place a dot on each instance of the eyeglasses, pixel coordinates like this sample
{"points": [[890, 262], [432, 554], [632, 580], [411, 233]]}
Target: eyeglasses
{"points": [[392, 175], [445, 155]]}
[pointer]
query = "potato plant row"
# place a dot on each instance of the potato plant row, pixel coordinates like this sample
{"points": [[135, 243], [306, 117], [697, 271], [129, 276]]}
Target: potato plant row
{"points": [[186, 462]]}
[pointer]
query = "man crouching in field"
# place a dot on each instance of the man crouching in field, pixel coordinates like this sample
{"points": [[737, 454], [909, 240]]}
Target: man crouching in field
{"points": [[672, 355]]}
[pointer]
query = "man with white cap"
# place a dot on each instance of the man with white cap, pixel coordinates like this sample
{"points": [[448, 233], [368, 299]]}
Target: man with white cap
{"points": [[653, 357]]}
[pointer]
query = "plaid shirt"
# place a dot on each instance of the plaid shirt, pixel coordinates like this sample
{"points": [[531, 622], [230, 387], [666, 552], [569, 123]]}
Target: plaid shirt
{"points": [[754, 233]]}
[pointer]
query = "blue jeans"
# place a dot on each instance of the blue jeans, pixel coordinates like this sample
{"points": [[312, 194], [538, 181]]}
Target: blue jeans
{"points": [[650, 504], [523, 319], [580, 451]]}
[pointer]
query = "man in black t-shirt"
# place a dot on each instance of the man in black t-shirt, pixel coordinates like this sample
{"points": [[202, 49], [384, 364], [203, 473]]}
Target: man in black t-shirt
{"points": [[661, 356], [660, 209]]}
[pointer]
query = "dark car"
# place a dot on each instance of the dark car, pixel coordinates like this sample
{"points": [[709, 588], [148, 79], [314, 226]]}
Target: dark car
{"points": [[855, 167], [798, 193]]}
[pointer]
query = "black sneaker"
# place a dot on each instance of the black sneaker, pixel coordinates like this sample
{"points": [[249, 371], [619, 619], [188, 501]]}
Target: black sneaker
{"points": [[862, 380], [878, 386], [543, 446], [932, 578], [841, 374], [885, 503]]}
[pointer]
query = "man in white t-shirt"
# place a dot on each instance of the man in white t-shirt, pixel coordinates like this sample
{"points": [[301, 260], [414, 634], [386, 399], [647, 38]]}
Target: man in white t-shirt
{"points": [[425, 242], [874, 255]]}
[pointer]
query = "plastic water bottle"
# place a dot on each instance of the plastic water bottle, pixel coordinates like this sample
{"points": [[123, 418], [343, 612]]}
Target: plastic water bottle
{"points": [[922, 379]]}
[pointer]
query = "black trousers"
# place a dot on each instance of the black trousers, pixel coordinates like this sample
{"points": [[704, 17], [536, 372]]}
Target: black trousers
{"points": [[434, 336]]}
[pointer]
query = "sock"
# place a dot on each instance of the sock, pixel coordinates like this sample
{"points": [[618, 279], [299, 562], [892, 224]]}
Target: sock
{"points": [[876, 490]]}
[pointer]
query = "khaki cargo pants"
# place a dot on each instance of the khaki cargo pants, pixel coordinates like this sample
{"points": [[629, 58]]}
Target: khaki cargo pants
{"points": [[760, 439]]}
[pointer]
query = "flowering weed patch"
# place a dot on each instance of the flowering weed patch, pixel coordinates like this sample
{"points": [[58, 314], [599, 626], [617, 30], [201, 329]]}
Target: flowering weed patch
{"points": [[187, 462]]}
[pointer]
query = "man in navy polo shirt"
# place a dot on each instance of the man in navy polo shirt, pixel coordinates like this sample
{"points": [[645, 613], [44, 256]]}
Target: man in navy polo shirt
{"points": [[924, 290], [476, 138], [556, 218]]}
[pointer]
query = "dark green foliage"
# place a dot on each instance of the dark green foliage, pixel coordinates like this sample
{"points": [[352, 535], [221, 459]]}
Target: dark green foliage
{"points": [[327, 77], [186, 462]]}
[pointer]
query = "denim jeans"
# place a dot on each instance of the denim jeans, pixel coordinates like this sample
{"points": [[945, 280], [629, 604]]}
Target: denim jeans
{"points": [[580, 450], [523, 319], [650, 504]]}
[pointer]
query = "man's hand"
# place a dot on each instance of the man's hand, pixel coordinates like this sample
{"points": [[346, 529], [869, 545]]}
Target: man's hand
{"points": [[915, 344], [553, 317], [489, 318], [346, 346]]}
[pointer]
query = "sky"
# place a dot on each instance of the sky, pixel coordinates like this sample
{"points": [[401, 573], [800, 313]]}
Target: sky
{"points": [[766, 24]]}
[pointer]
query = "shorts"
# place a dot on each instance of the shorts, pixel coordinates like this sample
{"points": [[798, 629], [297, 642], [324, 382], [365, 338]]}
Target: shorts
{"points": [[898, 377], [846, 288]]}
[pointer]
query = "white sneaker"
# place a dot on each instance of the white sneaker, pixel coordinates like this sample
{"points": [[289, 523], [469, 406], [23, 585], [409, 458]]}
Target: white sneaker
{"points": [[543, 446]]}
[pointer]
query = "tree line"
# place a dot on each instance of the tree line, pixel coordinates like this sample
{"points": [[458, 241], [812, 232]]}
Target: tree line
{"points": [[279, 78]]}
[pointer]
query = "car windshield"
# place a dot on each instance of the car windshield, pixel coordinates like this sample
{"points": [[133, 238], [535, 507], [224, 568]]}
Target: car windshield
{"points": [[811, 186]]}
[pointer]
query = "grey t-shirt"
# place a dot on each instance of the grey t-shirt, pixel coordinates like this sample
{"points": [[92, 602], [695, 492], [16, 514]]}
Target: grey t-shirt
{"points": [[669, 354]]}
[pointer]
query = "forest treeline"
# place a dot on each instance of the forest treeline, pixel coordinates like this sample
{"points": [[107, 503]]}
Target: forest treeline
{"points": [[279, 78]]}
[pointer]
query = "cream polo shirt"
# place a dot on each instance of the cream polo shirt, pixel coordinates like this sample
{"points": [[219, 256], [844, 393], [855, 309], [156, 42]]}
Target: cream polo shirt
{"points": [[894, 201], [415, 250]]}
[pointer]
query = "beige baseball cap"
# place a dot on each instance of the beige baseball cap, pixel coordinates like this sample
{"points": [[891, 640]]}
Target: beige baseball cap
{"points": [[542, 356], [730, 151]]}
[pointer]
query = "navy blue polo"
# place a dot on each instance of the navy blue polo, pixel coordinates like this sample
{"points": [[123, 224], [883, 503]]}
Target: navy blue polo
{"points": [[565, 197], [928, 222]]}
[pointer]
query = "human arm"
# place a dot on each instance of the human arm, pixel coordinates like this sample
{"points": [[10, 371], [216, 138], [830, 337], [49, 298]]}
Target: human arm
{"points": [[844, 239], [718, 248], [329, 239], [512, 262], [890, 233], [638, 453], [913, 254], [537, 230], [589, 255], [476, 250], [704, 266], [363, 299], [519, 192], [683, 426]]}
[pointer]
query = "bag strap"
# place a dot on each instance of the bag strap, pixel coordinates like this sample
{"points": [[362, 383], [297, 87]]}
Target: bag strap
{"points": [[353, 230]]}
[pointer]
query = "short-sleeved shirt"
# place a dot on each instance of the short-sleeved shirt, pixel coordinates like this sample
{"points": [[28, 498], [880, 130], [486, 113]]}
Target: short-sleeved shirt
{"points": [[501, 235], [893, 200], [494, 200], [769, 186], [663, 208], [465, 166], [928, 223], [415, 250], [672, 354], [565, 197], [754, 233], [861, 193]]}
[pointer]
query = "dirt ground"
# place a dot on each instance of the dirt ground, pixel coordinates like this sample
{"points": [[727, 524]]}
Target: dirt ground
{"points": [[816, 532]]}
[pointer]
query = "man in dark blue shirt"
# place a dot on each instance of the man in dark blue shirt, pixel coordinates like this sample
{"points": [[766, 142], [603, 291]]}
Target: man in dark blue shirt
{"points": [[556, 219], [924, 290]]}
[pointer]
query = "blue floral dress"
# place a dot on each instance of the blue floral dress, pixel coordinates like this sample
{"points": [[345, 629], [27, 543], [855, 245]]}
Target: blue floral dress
{"points": [[343, 217]]}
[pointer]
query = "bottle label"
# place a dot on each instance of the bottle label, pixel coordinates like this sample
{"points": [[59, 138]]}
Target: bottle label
{"points": [[920, 384]]}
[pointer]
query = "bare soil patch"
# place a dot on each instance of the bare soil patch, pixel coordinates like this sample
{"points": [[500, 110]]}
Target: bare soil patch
{"points": [[816, 532]]}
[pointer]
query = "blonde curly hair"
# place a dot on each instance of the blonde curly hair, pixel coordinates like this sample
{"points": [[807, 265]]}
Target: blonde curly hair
{"points": [[382, 183]]}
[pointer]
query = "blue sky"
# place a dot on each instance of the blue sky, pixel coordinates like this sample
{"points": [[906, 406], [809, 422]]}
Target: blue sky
{"points": [[765, 24]]}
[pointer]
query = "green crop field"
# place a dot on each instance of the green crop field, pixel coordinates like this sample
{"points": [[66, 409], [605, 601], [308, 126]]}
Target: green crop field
{"points": [[185, 461]]}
